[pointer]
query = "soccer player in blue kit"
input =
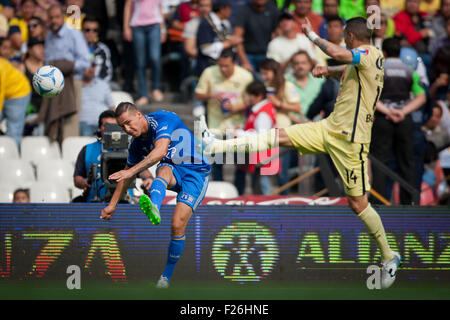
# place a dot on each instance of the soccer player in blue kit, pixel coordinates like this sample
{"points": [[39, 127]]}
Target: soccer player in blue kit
{"points": [[162, 137]]}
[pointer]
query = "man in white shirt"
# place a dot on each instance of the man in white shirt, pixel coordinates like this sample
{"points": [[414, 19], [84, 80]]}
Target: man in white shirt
{"points": [[283, 47]]}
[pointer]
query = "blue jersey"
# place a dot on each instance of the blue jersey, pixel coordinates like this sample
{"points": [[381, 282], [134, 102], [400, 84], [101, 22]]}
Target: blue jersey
{"points": [[181, 151]]}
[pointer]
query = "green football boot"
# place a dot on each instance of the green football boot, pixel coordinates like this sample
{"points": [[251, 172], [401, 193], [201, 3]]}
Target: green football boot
{"points": [[150, 210]]}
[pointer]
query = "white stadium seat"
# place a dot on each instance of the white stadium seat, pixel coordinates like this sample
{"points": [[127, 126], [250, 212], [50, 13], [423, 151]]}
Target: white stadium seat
{"points": [[37, 148], [16, 172], [71, 146], [55, 170], [121, 96], [49, 192], [8, 148], [221, 189]]}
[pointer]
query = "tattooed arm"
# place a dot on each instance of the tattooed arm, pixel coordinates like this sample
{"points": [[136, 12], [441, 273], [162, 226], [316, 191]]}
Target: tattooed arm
{"points": [[336, 52]]}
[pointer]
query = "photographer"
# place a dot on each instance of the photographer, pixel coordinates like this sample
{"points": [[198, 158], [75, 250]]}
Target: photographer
{"points": [[91, 154]]}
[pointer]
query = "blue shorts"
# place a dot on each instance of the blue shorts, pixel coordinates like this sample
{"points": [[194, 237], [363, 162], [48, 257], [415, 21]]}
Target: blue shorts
{"points": [[191, 185]]}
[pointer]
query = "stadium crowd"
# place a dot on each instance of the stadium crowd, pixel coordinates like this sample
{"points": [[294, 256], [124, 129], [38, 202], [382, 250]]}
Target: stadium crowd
{"points": [[247, 66]]}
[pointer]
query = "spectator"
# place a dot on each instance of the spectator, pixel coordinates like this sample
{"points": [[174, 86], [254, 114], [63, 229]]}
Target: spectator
{"points": [[100, 54], [302, 12], [21, 196], [438, 23], [6, 14], [335, 30], [260, 119], [255, 23], [307, 86], [389, 27], [190, 49], [36, 30], [444, 40], [351, 8], [214, 35], [99, 10], [379, 34], [222, 87], [15, 94], [143, 23], [19, 25], [440, 75], [5, 48], [190, 30], [175, 44], [96, 97], [89, 156], [411, 23], [283, 47], [330, 9], [34, 59], [393, 126], [66, 49], [284, 98]]}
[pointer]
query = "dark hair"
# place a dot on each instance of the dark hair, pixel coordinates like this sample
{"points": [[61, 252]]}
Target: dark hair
{"points": [[90, 19], [441, 62], [228, 53], [106, 115], [219, 4], [304, 52], [335, 18], [392, 47], [256, 88], [26, 191], [124, 107], [25, 1], [278, 75], [358, 27], [2, 39]]}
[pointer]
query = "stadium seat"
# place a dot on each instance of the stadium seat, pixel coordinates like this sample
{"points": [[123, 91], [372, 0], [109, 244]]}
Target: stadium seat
{"points": [[16, 172], [71, 146], [49, 192], [121, 96], [221, 189], [36, 149], [55, 170], [8, 148]]}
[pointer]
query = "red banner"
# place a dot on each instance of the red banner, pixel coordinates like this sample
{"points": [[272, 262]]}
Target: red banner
{"points": [[266, 200]]}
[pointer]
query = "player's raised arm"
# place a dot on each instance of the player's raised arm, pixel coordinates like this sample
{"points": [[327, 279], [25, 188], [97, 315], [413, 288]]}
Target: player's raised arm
{"points": [[336, 52]]}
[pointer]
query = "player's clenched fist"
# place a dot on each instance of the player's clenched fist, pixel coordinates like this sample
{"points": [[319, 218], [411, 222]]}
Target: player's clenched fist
{"points": [[107, 212], [320, 71]]}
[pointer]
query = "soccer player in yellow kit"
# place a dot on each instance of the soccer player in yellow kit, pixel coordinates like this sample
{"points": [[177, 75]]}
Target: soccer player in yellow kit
{"points": [[345, 135]]}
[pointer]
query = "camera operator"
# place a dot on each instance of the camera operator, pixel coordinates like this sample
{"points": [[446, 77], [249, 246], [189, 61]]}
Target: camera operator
{"points": [[91, 155]]}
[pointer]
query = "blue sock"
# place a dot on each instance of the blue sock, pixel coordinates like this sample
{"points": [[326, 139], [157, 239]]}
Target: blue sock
{"points": [[176, 247], [158, 191]]}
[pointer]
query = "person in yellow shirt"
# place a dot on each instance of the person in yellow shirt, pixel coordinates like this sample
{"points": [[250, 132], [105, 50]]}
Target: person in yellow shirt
{"points": [[15, 94], [345, 134]]}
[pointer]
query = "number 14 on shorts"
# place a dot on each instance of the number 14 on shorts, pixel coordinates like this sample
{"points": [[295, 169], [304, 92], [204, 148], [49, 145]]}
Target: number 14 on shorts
{"points": [[351, 176]]}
